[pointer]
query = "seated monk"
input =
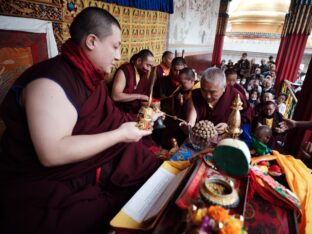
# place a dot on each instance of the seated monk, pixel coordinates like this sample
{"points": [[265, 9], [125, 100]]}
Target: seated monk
{"points": [[181, 97], [213, 101], [231, 79], [163, 68], [70, 158], [130, 84], [178, 107], [169, 85]]}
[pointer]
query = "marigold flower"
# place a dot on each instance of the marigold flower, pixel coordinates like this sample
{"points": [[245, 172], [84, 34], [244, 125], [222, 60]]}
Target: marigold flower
{"points": [[232, 226], [218, 213]]}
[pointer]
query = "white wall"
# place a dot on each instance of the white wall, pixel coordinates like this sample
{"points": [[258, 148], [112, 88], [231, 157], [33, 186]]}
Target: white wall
{"points": [[193, 25]]}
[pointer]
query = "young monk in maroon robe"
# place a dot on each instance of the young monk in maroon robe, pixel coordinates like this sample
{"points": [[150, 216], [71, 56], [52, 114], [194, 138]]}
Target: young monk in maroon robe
{"points": [[70, 159], [213, 101], [179, 108], [163, 68], [131, 85], [231, 79], [169, 85]]}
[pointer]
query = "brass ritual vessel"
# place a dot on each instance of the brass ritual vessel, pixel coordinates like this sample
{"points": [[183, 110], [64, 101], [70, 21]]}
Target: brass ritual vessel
{"points": [[216, 191], [234, 121], [145, 121]]}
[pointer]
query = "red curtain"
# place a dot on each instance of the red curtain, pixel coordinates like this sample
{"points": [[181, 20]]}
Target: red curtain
{"points": [[302, 41], [303, 112], [280, 51], [289, 57]]}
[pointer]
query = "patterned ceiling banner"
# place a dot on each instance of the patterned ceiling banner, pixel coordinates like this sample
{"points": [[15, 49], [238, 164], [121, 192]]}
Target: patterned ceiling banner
{"points": [[140, 28], [37, 9], [156, 5]]}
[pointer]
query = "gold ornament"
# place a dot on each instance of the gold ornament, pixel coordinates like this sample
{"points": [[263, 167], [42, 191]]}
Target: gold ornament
{"points": [[234, 121], [216, 191], [145, 121]]}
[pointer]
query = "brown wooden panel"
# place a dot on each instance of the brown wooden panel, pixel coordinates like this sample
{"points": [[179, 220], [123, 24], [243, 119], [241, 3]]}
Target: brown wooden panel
{"points": [[199, 62]]}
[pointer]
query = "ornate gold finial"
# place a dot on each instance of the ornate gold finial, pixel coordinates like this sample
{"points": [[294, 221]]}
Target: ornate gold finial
{"points": [[234, 120], [174, 142], [174, 148]]}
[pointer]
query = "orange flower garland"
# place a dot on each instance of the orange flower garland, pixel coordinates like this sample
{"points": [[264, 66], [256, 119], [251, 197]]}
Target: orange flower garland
{"points": [[216, 219], [232, 226], [218, 213]]}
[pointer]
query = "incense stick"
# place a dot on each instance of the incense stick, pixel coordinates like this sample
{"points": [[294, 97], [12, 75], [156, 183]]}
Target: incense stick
{"points": [[152, 76], [175, 117]]}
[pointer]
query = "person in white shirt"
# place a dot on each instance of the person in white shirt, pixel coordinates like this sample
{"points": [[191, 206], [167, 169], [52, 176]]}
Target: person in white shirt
{"points": [[281, 103]]}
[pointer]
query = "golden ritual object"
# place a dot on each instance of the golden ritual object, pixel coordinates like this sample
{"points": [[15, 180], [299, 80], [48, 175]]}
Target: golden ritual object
{"points": [[203, 134], [174, 146], [145, 121], [216, 191], [234, 121]]}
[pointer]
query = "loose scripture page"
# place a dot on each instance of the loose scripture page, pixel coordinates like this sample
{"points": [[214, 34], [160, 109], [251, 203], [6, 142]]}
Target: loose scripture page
{"points": [[151, 197], [165, 196]]}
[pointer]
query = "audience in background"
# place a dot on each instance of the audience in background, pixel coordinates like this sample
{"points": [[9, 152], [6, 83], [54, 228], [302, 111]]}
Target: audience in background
{"points": [[281, 103]]}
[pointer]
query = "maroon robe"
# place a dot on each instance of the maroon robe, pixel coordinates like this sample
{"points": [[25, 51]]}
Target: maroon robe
{"points": [[159, 71], [221, 111], [132, 87], [240, 89], [160, 76], [66, 199]]}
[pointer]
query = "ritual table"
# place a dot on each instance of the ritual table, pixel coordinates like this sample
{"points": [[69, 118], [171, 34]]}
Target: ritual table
{"points": [[260, 216]]}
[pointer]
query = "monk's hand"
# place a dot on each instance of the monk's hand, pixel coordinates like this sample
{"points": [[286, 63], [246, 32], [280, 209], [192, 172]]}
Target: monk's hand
{"points": [[179, 96], [221, 127], [288, 124], [184, 123], [279, 130], [282, 128], [156, 114], [131, 133], [186, 127], [142, 97]]}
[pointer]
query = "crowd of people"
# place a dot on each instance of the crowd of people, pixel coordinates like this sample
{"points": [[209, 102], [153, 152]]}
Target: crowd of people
{"points": [[257, 83], [80, 154]]}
